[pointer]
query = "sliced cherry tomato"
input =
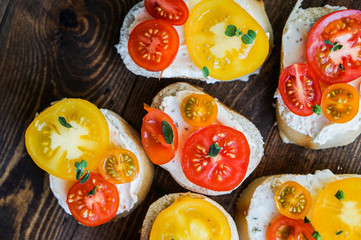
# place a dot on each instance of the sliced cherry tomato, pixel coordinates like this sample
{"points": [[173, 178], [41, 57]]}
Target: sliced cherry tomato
{"points": [[93, 210], [284, 228], [199, 110], [119, 166], [299, 89], [340, 102], [226, 57], [157, 149], [153, 45], [332, 64], [173, 11], [223, 172], [55, 146], [338, 210], [293, 200]]}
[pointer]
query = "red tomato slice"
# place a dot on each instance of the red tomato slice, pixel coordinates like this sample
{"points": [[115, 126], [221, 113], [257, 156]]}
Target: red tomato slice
{"points": [[158, 151], [284, 228], [96, 209], [299, 89], [223, 172], [173, 11], [153, 44], [340, 28]]}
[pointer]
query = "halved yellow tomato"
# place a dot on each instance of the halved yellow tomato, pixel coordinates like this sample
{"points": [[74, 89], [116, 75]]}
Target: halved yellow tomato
{"points": [[199, 110], [190, 218], [338, 216], [67, 132], [226, 57]]}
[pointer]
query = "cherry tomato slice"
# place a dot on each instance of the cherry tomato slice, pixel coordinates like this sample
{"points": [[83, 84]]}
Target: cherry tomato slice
{"points": [[153, 44], [223, 172], [119, 166], [173, 11], [293, 200], [340, 102], [157, 149], [332, 64], [299, 89], [284, 228], [96, 209], [199, 110]]}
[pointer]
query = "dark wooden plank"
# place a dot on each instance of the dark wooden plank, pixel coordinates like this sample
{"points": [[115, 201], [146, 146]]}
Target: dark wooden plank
{"points": [[55, 49]]}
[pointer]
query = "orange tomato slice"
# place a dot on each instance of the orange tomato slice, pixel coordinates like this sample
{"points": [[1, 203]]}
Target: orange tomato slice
{"points": [[119, 166], [340, 102], [199, 110], [293, 200]]}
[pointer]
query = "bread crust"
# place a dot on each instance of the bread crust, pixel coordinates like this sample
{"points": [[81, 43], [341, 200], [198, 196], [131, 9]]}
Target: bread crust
{"points": [[167, 200]]}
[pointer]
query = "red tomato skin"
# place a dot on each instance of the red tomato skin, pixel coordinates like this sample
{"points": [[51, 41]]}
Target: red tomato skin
{"points": [[315, 40], [138, 53], [175, 6], [237, 166], [304, 69], [298, 225], [159, 153], [105, 190]]}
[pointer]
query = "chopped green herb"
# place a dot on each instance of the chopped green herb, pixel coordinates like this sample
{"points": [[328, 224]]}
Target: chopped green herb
{"points": [[92, 192], [85, 178], [334, 45], [316, 109], [247, 39], [340, 195], [63, 122], [255, 229], [231, 30], [328, 42], [252, 34], [214, 149], [167, 132], [316, 235], [339, 232], [306, 220], [80, 171], [205, 72], [341, 67]]}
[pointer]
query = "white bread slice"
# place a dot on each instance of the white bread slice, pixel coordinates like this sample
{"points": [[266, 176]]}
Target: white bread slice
{"points": [[326, 134], [167, 200], [183, 66], [251, 132], [121, 135], [256, 209]]}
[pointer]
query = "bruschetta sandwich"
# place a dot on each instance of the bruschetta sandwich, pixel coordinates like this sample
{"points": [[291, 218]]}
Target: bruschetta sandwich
{"points": [[97, 167], [313, 206], [206, 147], [209, 40], [187, 216], [318, 90]]}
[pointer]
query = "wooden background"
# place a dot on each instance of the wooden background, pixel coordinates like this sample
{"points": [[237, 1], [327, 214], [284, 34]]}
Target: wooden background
{"points": [[51, 49]]}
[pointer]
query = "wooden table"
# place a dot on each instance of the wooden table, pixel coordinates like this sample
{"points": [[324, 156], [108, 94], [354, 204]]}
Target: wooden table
{"points": [[55, 49]]}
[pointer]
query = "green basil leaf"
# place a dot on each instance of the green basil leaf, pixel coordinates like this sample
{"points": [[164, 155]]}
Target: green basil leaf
{"points": [[252, 34], [167, 132], [214, 149], [231, 30], [85, 178], [205, 72], [246, 39], [92, 192], [63, 122]]}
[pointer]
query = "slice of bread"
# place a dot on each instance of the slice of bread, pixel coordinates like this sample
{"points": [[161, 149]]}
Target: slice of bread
{"points": [[305, 133], [251, 132], [183, 66], [167, 200]]}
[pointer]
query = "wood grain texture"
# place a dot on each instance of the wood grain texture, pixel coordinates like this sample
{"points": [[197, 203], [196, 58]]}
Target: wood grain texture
{"points": [[55, 49]]}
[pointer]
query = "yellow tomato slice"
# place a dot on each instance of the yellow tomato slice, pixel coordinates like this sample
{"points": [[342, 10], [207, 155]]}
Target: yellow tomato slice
{"points": [[119, 166], [226, 57], [189, 218], [339, 218], [199, 110], [55, 147]]}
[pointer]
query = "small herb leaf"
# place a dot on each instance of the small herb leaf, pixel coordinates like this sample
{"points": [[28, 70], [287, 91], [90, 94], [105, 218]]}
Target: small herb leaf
{"points": [[306, 220], [239, 32], [252, 34], [79, 173], [214, 149], [316, 235], [77, 165], [316, 109], [339, 232], [340, 195], [231, 30], [92, 192], [205, 72], [246, 39], [341, 67], [83, 164], [328, 42], [167, 132], [85, 178], [63, 122]]}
